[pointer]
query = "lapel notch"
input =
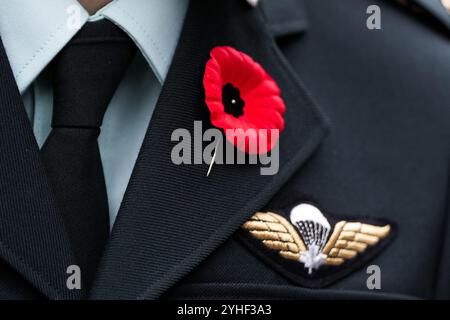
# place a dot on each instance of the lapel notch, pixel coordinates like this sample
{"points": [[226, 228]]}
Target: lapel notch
{"points": [[285, 17]]}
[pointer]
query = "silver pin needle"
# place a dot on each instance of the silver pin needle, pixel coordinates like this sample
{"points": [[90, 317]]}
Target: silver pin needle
{"points": [[213, 158]]}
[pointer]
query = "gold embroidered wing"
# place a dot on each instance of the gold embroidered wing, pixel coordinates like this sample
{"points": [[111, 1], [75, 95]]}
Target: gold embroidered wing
{"points": [[350, 238], [276, 233]]}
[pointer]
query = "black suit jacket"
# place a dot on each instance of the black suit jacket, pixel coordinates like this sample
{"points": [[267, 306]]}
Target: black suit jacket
{"points": [[367, 136]]}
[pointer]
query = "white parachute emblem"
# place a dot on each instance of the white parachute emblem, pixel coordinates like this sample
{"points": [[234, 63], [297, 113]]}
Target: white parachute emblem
{"points": [[314, 229]]}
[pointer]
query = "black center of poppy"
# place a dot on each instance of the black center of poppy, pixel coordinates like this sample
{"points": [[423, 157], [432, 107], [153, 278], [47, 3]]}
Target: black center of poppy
{"points": [[232, 101]]}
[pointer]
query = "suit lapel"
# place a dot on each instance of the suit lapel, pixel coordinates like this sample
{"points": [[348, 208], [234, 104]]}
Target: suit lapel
{"points": [[32, 235], [172, 217]]}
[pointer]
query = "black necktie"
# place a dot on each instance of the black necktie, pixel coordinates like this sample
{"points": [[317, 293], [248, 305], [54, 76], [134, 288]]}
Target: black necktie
{"points": [[86, 74]]}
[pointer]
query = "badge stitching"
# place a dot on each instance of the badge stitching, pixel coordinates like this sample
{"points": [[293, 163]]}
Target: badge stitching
{"points": [[309, 242]]}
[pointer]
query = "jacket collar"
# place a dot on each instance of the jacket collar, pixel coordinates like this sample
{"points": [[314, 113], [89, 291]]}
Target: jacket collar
{"points": [[172, 217]]}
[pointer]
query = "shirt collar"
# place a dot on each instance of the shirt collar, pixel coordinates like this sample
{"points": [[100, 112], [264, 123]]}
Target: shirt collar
{"points": [[33, 32]]}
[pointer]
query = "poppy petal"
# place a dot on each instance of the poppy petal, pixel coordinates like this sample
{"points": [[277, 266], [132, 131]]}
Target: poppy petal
{"points": [[263, 106]]}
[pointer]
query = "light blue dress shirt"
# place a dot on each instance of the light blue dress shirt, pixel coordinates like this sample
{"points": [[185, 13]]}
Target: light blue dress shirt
{"points": [[33, 32]]}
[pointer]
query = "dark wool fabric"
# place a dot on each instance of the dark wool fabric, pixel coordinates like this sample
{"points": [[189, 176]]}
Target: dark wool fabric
{"points": [[366, 137], [86, 74]]}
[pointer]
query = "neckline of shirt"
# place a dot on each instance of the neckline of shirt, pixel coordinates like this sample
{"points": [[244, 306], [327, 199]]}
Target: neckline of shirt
{"points": [[36, 33]]}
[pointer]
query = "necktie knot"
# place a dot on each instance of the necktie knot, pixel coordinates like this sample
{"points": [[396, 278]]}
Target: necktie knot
{"points": [[87, 72]]}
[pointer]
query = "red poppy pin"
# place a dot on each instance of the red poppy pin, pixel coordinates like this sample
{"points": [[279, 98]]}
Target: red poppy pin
{"points": [[240, 94]]}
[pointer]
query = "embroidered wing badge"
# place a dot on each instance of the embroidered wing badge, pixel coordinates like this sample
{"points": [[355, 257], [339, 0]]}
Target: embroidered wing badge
{"points": [[307, 249]]}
